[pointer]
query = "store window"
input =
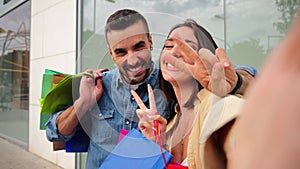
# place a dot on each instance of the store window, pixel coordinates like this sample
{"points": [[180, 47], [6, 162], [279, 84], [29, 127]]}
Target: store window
{"points": [[248, 30], [161, 15], [254, 28], [14, 69]]}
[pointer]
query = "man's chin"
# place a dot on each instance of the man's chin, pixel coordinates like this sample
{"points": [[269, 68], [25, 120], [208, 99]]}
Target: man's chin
{"points": [[137, 80]]}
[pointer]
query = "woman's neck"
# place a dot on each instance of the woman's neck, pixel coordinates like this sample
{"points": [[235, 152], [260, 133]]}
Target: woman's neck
{"points": [[184, 91]]}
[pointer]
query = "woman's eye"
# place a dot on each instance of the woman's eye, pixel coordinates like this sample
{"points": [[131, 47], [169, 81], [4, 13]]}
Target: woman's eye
{"points": [[168, 46]]}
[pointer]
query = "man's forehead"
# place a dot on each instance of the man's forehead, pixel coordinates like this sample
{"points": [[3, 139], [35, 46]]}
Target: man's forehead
{"points": [[116, 36]]}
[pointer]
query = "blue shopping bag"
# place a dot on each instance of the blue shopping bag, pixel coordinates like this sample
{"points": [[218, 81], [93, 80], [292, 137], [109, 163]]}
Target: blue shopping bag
{"points": [[79, 142], [135, 151]]}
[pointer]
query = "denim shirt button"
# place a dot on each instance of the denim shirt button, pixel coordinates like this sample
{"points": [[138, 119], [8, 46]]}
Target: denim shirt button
{"points": [[100, 114], [132, 98], [127, 122]]}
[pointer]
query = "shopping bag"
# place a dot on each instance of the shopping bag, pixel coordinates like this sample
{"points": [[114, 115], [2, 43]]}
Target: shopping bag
{"points": [[58, 97], [61, 94], [50, 79], [135, 151], [79, 142], [173, 165]]}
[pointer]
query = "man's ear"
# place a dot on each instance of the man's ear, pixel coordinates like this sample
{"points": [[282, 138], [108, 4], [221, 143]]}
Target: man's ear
{"points": [[109, 50], [150, 42]]}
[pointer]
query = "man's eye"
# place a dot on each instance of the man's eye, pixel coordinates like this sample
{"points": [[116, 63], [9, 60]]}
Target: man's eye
{"points": [[139, 46], [120, 54]]}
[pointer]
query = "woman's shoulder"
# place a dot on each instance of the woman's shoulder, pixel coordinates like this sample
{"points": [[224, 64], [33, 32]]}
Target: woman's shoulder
{"points": [[221, 110]]}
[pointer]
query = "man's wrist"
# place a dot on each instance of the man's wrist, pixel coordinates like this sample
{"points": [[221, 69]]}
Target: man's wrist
{"points": [[238, 84]]}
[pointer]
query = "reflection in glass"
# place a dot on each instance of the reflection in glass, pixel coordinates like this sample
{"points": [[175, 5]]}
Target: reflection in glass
{"points": [[14, 73]]}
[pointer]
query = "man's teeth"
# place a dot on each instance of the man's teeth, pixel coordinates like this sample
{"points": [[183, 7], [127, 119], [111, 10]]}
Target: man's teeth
{"points": [[135, 68]]}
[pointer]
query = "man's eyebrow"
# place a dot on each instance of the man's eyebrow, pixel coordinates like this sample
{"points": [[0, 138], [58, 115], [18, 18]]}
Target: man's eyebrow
{"points": [[140, 43], [118, 50]]}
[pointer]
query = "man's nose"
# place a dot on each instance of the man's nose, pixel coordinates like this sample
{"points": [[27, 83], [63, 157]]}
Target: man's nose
{"points": [[132, 58]]}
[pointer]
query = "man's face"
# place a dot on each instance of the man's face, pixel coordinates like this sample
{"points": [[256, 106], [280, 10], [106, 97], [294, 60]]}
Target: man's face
{"points": [[130, 50]]}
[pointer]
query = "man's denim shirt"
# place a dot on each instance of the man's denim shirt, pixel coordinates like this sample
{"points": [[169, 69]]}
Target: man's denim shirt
{"points": [[115, 111], [247, 68]]}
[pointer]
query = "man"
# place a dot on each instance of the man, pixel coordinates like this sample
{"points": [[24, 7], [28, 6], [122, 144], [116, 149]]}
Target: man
{"points": [[105, 104]]}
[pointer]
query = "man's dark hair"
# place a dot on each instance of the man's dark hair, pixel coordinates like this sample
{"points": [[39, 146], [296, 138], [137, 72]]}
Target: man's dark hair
{"points": [[124, 18]]}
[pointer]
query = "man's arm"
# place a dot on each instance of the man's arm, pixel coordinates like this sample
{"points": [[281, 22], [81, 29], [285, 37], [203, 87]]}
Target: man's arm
{"points": [[68, 120], [247, 74], [89, 93], [216, 72]]}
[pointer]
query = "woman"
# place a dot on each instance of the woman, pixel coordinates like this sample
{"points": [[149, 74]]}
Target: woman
{"points": [[199, 134]]}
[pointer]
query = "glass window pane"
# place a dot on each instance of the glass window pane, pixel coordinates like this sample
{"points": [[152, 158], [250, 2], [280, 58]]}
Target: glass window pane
{"points": [[161, 16], [14, 72], [255, 27]]}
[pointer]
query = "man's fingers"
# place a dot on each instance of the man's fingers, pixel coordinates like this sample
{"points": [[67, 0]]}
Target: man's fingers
{"points": [[138, 100], [176, 62], [208, 59], [103, 70], [218, 80], [187, 50], [222, 56], [230, 73]]}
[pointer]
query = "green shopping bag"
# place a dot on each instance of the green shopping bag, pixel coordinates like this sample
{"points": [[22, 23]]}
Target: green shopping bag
{"points": [[57, 93], [61, 94], [50, 79]]}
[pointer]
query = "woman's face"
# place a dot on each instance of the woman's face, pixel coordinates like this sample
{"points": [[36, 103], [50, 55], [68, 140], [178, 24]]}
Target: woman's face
{"points": [[170, 72]]}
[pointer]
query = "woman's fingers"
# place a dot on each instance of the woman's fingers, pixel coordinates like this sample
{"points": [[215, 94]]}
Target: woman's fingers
{"points": [[138, 100], [161, 120], [151, 100]]}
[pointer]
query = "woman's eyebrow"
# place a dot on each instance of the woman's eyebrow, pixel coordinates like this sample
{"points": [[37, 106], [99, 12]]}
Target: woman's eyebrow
{"points": [[170, 39], [190, 41], [186, 40]]}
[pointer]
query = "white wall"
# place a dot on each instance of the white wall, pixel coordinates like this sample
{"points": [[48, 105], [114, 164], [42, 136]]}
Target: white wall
{"points": [[53, 46]]}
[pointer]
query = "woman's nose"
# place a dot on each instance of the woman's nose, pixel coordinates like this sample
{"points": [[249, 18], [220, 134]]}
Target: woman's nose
{"points": [[176, 51]]}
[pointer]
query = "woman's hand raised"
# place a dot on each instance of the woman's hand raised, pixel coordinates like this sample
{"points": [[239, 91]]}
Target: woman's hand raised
{"points": [[148, 117]]}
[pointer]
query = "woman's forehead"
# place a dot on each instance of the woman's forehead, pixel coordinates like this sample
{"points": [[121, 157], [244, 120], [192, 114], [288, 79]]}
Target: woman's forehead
{"points": [[185, 33]]}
